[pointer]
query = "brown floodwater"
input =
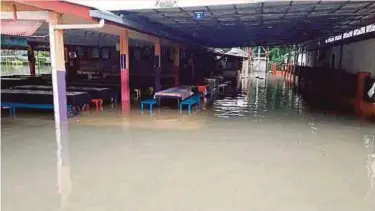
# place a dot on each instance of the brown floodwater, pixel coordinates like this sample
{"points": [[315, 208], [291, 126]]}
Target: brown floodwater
{"points": [[260, 147]]}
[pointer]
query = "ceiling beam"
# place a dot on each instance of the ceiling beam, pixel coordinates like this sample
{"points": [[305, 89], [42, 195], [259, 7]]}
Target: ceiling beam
{"points": [[212, 14], [25, 15], [341, 6], [261, 14], [166, 17], [287, 10]]}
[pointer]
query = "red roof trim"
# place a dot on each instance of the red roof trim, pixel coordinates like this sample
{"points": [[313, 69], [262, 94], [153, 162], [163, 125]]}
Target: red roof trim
{"points": [[61, 7]]}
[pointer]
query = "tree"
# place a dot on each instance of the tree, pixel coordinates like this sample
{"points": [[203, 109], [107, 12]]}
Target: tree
{"points": [[165, 3], [277, 55]]}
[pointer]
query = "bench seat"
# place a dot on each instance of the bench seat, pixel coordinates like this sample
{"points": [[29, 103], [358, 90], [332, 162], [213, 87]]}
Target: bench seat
{"points": [[189, 102]]}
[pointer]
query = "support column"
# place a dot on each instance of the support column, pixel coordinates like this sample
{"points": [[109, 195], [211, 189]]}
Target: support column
{"points": [[31, 59], [56, 38], [124, 66], [176, 63], [157, 64]]}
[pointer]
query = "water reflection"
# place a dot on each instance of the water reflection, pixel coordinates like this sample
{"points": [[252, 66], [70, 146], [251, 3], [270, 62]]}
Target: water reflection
{"points": [[197, 162], [259, 98], [7, 70], [64, 183], [370, 163]]}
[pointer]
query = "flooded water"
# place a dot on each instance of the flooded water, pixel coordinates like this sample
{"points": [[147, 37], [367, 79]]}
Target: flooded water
{"points": [[259, 99], [261, 148], [8, 70]]}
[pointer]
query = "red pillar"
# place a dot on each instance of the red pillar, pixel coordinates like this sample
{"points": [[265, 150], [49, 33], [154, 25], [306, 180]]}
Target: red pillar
{"points": [[124, 65]]}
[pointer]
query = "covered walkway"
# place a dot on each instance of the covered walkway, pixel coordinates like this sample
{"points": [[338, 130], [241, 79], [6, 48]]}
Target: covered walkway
{"points": [[261, 145], [262, 23]]}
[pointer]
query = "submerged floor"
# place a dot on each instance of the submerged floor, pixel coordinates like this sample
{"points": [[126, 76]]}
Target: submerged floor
{"points": [[261, 149]]}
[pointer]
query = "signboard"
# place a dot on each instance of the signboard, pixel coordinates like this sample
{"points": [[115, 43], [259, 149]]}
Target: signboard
{"points": [[198, 15], [123, 61]]}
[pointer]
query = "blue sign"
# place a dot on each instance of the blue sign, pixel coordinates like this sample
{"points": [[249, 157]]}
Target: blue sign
{"points": [[198, 15]]}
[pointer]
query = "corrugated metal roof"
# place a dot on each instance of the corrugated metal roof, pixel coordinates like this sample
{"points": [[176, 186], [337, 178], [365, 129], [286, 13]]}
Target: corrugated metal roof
{"points": [[23, 28], [237, 52], [260, 23]]}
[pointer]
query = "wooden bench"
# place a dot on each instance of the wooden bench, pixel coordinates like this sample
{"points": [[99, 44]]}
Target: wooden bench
{"points": [[13, 106], [150, 102], [189, 102]]}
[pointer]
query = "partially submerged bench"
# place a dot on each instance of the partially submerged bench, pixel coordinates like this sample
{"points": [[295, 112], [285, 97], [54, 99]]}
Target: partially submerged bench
{"points": [[12, 107], [189, 102], [150, 103]]}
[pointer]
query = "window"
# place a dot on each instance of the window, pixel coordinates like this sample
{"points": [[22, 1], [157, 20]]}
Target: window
{"points": [[81, 52], [94, 53], [105, 53]]}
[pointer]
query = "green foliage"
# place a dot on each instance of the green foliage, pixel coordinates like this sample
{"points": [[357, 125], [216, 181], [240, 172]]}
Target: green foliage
{"points": [[277, 55]]}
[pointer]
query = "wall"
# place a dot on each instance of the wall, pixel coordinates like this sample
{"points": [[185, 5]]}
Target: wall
{"points": [[87, 63], [357, 56], [311, 58], [259, 65]]}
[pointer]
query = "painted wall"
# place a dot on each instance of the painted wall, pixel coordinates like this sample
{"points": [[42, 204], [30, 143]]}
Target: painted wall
{"points": [[357, 56]]}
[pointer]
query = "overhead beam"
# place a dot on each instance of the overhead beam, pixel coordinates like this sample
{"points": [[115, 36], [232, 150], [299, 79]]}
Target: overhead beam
{"points": [[166, 17], [212, 14], [341, 6], [261, 14], [287, 10], [25, 15]]}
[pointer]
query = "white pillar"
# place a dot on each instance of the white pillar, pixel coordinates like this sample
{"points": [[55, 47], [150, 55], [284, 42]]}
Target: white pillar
{"points": [[56, 38]]}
